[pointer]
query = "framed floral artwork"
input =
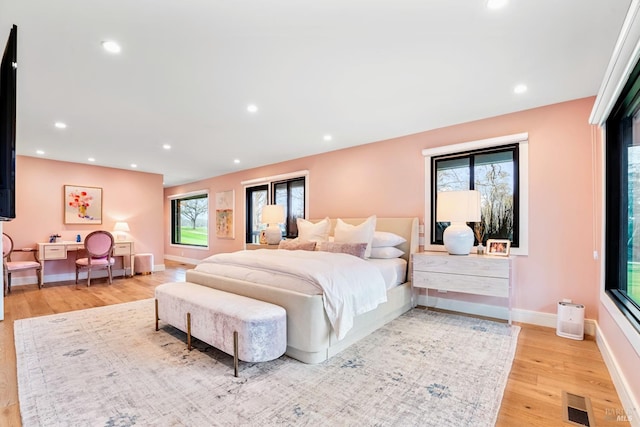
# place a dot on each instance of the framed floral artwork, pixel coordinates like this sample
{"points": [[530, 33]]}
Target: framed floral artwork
{"points": [[224, 214], [82, 205]]}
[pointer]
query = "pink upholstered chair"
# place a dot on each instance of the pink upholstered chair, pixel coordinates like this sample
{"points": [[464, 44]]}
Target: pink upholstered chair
{"points": [[98, 246], [9, 266]]}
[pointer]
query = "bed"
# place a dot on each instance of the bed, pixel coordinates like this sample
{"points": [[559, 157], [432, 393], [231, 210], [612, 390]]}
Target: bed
{"points": [[310, 336]]}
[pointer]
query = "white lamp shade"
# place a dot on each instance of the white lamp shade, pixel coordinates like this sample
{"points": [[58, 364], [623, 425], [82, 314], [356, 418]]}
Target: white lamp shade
{"points": [[121, 226], [273, 214], [458, 206]]}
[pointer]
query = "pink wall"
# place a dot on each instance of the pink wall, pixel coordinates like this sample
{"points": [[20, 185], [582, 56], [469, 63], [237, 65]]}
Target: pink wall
{"points": [[387, 178], [131, 196], [626, 357]]}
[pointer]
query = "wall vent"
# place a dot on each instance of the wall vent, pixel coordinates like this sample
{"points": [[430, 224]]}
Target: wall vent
{"points": [[577, 409]]}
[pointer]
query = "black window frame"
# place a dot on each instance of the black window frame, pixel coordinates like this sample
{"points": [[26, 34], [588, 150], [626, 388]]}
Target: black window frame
{"points": [[175, 219], [290, 225], [618, 133], [514, 148], [249, 231]]}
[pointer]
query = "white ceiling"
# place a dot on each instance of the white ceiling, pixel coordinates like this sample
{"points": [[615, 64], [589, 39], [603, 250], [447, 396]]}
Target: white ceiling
{"points": [[360, 70]]}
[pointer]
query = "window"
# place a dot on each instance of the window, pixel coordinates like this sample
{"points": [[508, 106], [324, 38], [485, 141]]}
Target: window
{"points": [[498, 169], [190, 220], [622, 201], [494, 173], [288, 190], [290, 194], [257, 198]]}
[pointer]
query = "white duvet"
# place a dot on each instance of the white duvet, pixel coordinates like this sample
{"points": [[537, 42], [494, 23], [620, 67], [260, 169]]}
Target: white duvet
{"points": [[350, 286]]}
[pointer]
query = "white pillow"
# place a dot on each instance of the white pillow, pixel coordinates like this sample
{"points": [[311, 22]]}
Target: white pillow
{"points": [[362, 233], [310, 232], [387, 252], [382, 239]]}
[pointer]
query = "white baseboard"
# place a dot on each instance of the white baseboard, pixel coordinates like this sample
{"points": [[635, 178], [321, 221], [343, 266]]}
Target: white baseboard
{"points": [[630, 403], [500, 312], [62, 277], [182, 259]]}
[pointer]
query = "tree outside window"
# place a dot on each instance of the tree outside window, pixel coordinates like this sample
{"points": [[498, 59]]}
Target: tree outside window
{"points": [[494, 173], [190, 220], [289, 193], [257, 198]]}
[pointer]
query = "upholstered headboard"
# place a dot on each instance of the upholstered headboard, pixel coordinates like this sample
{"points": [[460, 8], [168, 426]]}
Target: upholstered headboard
{"points": [[405, 227]]}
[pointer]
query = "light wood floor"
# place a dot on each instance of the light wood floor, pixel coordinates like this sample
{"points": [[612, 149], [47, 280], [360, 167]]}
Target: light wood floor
{"points": [[544, 364]]}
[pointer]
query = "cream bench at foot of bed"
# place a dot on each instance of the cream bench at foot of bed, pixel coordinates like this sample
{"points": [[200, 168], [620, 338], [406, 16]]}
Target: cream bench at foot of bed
{"points": [[248, 329]]}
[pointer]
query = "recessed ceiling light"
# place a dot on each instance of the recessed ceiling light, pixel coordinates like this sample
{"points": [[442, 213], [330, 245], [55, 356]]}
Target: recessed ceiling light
{"points": [[520, 89], [111, 46], [60, 125], [236, 161], [252, 108], [91, 159], [327, 137], [496, 4], [40, 152], [133, 165], [166, 146]]}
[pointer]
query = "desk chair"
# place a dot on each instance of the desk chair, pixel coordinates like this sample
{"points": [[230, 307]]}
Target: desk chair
{"points": [[99, 250], [10, 266]]}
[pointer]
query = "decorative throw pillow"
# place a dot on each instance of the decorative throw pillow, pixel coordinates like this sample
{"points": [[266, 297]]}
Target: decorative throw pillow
{"points": [[297, 245], [310, 232], [355, 249], [362, 233], [382, 239], [386, 252]]}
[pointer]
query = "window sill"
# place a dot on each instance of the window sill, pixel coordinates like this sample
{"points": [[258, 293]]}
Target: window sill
{"points": [[202, 248], [623, 323]]}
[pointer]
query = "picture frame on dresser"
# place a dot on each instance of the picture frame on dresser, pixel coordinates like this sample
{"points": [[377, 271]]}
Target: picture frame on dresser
{"points": [[499, 247]]}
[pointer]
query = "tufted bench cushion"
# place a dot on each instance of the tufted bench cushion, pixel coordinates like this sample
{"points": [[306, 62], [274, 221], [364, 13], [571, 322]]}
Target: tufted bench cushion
{"points": [[215, 316]]}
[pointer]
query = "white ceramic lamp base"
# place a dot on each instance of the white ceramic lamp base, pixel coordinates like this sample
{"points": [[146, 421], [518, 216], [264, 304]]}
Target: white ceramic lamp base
{"points": [[273, 234], [458, 238]]}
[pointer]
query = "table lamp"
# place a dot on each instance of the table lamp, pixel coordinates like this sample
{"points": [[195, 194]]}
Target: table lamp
{"points": [[458, 208], [273, 216], [120, 228]]}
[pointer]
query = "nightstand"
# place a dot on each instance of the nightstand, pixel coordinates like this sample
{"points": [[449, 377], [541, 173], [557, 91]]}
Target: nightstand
{"points": [[254, 246], [471, 274]]}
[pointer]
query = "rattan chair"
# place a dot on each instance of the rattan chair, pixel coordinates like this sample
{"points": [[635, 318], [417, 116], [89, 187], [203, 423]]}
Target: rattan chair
{"points": [[10, 266], [98, 246]]}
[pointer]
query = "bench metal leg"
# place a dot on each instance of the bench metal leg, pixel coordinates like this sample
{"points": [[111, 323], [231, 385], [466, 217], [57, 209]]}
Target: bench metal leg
{"points": [[235, 353], [189, 331], [157, 318]]}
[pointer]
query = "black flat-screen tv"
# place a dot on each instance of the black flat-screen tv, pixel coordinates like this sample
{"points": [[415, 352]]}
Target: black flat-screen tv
{"points": [[8, 85]]}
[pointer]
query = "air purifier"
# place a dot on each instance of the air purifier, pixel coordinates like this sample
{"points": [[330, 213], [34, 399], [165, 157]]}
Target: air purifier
{"points": [[570, 321]]}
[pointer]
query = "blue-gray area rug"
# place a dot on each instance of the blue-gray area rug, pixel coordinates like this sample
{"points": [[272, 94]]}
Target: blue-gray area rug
{"points": [[108, 366]]}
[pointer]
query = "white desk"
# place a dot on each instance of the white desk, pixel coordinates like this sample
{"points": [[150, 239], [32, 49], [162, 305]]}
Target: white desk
{"points": [[59, 250]]}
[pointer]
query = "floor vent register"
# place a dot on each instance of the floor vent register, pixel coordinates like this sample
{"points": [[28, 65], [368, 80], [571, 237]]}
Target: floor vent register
{"points": [[577, 409]]}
